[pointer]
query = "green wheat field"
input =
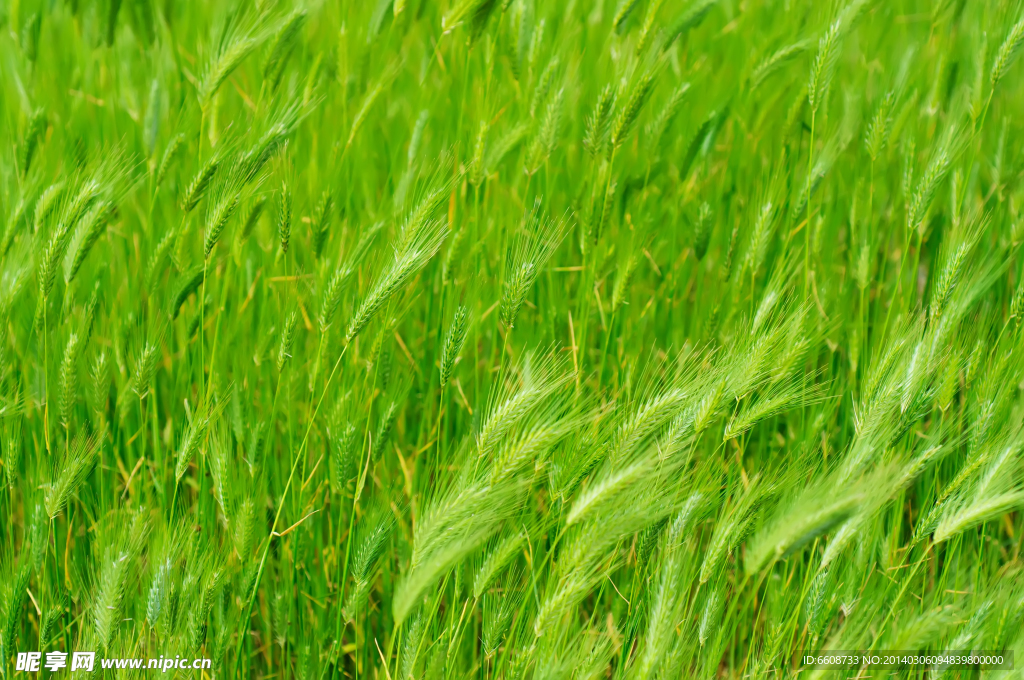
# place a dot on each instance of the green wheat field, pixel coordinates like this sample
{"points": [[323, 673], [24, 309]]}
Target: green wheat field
{"points": [[511, 339]]}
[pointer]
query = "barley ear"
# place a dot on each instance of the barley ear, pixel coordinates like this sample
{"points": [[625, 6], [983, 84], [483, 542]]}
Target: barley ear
{"points": [[281, 46], [196, 189], [69, 473], [235, 46], [12, 614], [69, 380], [409, 259], [252, 216], [188, 284], [878, 130], [950, 275], [170, 151], [1007, 53], [217, 220], [625, 8], [702, 231], [453, 344], [36, 126], [145, 366], [1017, 304], [773, 62], [284, 217], [195, 435], [824, 66], [332, 297], [88, 234], [639, 95], [321, 222], [284, 350], [546, 137], [597, 122]]}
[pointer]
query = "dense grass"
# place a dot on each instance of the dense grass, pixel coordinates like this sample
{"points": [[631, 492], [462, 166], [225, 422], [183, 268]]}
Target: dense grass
{"points": [[510, 339]]}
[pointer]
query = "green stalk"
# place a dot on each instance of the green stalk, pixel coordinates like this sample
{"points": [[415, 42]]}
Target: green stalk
{"points": [[244, 623], [807, 226]]}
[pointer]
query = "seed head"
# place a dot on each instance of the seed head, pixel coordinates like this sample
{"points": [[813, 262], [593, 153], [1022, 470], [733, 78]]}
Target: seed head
{"points": [[90, 231], [597, 122], [281, 46], [100, 382], [477, 171], [165, 161], [878, 130], [453, 344], [196, 189], [948, 279], [144, 368], [342, 455], [625, 8], [414, 254], [36, 127], [222, 212], [69, 380], [1017, 304], [627, 117], [1007, 53], [515, 292], [284, 351], [284, 217], [547, 135], [332, 297], [625, 274], [824, 65], [321, 222], [232, 51], [194, 435], [251, 218], [702, 231], [189, 284], [774, 62], [46, 204]]}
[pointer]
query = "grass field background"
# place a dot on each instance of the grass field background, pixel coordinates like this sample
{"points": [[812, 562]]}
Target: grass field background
{"points": [[509, 338]]}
